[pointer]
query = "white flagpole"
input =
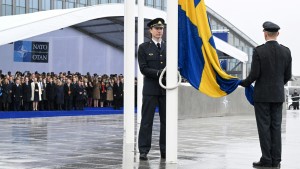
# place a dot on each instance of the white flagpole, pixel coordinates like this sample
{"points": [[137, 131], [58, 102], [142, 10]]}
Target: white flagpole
{"points": [[129, 67], [140, 75], [172, 95]]}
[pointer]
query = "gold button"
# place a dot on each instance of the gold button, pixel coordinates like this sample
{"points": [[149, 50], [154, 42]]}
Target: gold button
{"points": [[161, 62]]}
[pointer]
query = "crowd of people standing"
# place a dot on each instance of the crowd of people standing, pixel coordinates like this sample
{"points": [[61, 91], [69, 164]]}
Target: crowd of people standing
{"points": [[64, 91]]}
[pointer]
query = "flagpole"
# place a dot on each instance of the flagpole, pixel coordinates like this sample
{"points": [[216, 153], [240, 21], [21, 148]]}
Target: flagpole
{"points": [[129, 67], [172, 95], [140, 75]]}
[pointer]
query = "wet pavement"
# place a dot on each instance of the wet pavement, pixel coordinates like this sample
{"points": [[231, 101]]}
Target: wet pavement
{"points": [[96, 142]]}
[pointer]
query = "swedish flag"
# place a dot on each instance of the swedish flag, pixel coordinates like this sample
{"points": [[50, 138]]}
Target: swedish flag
{"points": [[197, 56]]}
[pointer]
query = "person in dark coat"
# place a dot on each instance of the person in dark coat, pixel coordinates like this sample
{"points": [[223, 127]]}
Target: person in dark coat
{"points": [[295, 98], [118, 93], [6, 94], [271, 70], [1, 95], [69, 92], [74, 85], [17, 94], [89, 90], [79, 96], [27, 94], [50, 94], [43, 103], [59, 97], [152, 60]]}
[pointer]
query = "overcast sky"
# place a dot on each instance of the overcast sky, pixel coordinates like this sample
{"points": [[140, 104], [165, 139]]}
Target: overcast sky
{"points": [[249, 15]]}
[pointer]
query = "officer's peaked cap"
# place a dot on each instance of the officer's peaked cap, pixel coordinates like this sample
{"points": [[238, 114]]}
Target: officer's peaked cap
{"points": [[270, 27], [157, 22]]}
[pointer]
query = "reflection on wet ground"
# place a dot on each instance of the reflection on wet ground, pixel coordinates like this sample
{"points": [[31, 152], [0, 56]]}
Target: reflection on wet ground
{"points": [[96, 142]]}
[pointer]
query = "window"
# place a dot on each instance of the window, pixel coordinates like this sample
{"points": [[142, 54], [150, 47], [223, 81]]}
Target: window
{"points": [[82, 3], [103, 1], [70, 4], [113, 1], [236, 42], [149, 3], [158, 4], [242, 45], [59, 4], [164, 2], [213, 24], [230, 38], [250, 53], [33, 6], [94, 2], [46, 5], [20, 7], [7, 7]]}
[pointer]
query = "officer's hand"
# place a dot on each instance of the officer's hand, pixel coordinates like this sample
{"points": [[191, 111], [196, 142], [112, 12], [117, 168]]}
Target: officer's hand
{"points": [[242, 83], [159, 72]]}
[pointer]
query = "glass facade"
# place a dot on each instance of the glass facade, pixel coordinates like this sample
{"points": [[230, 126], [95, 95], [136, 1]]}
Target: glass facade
{"points": [[82, 3], [33, 6], [46, 5], [94, 2], [20, 7], [149, 3], [7, 7], [70, 4], [114, 1], [58, 4], [158, 4], [103, 1]]}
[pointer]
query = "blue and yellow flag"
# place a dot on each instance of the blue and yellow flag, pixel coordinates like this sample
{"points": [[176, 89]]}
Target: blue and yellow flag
{"points": [[197, 56]]}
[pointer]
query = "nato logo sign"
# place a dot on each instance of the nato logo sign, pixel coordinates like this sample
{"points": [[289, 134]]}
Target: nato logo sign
{"points": [[30, 51]]}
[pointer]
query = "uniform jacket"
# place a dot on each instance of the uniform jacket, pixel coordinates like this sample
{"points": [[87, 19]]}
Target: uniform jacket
{"points": [[151, 60], [270, 69]]}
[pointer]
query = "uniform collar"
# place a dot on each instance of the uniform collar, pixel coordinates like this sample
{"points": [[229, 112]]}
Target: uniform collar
{"points": [[155, 42]]}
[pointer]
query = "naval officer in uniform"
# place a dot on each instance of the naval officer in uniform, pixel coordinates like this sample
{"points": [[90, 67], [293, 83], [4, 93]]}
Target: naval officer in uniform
{"points": [[271, 70], [152, 60]]}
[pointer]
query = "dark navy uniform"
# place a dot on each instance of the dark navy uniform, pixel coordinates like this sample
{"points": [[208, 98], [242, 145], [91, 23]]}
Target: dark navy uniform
{"points": [[271, 70], [152, 61]]}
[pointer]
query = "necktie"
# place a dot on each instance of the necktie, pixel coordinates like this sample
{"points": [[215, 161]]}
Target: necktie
{"points": [[158, 46]]}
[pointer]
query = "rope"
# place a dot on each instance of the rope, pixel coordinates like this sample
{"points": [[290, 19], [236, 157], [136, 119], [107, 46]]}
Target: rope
{"points": [[165, 87]]}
